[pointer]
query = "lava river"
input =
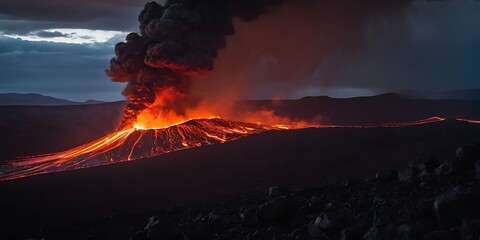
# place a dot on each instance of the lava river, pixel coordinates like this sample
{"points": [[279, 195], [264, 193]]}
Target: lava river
{"points": [[131, 144], [137, 143]]}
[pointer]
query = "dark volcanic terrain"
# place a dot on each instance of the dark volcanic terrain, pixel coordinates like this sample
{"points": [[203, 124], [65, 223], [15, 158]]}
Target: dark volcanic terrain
{"points": [[115, 201], [28, 130], [239, 169], [218, 192], [427, 199]]}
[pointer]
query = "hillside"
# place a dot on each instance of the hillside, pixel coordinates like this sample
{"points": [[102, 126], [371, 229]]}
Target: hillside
{"points": [[33, 99]]}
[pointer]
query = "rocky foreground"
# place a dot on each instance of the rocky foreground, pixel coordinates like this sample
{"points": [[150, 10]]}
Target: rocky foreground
{"points": [[426, 200]]}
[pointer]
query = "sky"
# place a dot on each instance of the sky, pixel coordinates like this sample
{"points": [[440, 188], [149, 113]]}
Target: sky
{"points": [[61, 48]]}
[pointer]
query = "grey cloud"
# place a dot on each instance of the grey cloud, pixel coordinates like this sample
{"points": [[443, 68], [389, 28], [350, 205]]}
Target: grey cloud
{"points": [[431, 45], [72, 71], [66, 10], [45, 34], [23, 17]]}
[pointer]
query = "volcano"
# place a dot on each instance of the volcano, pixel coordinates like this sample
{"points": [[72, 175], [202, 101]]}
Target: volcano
{"points": [[136, 143]]}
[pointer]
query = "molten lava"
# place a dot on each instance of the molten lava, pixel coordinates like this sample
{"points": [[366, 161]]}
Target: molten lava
{"points": [[135, 143], [142, 142], [468, 120]]}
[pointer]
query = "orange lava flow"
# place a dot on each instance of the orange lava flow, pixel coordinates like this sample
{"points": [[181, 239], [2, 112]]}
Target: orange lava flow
{"points": [[468, 120], [134, 143], [42, 163], [154, 140]]}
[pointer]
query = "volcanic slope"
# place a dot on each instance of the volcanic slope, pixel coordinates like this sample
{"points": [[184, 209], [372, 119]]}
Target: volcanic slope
{"points": [[133, 144], [214, 173]]}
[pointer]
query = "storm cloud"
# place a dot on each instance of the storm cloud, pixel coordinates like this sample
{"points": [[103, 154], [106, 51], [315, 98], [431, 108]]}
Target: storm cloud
{"points": [[71, 71], [321, 47], [25, 16], [295, 49]]}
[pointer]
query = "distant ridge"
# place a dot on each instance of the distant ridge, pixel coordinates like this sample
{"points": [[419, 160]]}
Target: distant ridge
{"points": [[33, 99], [464, 94]]}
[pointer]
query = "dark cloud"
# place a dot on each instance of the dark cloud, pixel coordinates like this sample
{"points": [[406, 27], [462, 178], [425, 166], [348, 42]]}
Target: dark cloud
{"points": [[22, 17], [45, 34], [66, 10], [300, 48], [177, 40], [297, 48], [71, 71]]}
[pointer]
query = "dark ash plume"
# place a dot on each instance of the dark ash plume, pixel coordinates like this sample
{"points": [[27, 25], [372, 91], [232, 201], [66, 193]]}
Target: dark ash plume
{"points": [[177, 40], [181, 39]]}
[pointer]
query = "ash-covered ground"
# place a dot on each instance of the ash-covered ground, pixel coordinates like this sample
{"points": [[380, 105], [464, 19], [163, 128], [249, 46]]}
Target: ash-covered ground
{"points": [[428, 199]]}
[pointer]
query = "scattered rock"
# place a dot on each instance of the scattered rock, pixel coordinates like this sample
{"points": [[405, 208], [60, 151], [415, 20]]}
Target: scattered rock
{"points": [[426, 200], [249, 215], [406, 174], [470, 229], [277, 210], [438, 235], [450, 166], [386, 175], [477, 169], [451, 207], [277, 191], [164, 230]]}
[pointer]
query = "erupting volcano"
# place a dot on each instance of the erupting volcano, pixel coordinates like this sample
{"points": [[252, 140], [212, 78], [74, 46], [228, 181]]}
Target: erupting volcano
{"points": [[131, 144], [177, 42]]}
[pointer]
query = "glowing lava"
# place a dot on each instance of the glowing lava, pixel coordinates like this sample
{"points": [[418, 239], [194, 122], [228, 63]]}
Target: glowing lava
{"points": [[131, 144], [468, 120], [141, 142]]}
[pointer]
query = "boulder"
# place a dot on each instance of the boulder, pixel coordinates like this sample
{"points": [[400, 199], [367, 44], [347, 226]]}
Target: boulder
{"points": [[164, 230], [277, 210], [278, 191], [406, 174], [470, 229], [452, 207], [450, 166], [249, 215]]}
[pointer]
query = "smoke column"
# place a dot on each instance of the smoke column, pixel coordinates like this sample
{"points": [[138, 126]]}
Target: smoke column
{"points": [[178, 42]]}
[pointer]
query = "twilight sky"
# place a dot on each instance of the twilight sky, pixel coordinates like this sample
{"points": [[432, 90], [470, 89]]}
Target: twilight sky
{"points": [[62, 47]]}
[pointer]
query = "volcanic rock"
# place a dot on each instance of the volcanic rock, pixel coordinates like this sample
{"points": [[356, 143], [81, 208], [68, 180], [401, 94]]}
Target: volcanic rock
{"points": [[451, 207], [477, 169], [406, 174], [277, 210], [249, 215], [470, 229], [134, 144], [386, 175], [277, 191], [416, 205], [450, 166], [160, 230]]}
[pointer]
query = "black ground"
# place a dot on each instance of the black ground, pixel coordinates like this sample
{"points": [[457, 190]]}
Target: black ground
{"points": [[426, 200], [116, 201]]}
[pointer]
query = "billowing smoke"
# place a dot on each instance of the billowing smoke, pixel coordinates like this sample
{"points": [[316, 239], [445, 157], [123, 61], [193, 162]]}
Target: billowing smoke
{"points": [[177, 40], [306, 44]]}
